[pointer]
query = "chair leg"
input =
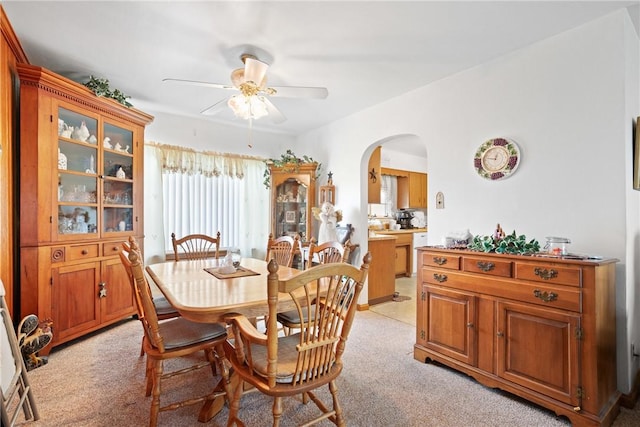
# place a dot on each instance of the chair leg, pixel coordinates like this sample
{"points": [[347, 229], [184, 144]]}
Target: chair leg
{"points": [[234, 406], [142, 347], [149, 377], [155, 401], [277, 410], [339, 419]]}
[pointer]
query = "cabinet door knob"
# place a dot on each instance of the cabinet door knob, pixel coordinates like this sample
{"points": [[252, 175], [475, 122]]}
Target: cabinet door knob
{"points": [[500, 334], [102, 293], [84, 252], [470, 325]]}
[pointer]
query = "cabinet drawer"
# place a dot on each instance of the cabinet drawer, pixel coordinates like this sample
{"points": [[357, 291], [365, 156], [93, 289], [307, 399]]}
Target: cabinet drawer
{"points": [[431, 259], [547, 295], [549, 273], [487, 266], [111, 248], [81, 252], [403, 239]]}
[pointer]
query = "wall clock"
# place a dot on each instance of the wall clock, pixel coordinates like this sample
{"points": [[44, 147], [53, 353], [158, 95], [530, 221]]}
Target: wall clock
{"points": [[497, 158]]}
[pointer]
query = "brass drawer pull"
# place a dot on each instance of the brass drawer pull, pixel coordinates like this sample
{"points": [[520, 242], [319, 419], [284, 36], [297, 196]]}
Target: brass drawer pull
{"points": [[545, 296], [545, 274], [485, 266], [440, 277], [439, 260]]}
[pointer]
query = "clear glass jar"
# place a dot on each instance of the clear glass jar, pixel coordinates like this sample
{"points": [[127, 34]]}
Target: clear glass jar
{"points": [[557, 245]]}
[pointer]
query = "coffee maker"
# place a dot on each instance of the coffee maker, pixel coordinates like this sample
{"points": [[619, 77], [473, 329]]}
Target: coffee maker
{"points": [[404, 217]]}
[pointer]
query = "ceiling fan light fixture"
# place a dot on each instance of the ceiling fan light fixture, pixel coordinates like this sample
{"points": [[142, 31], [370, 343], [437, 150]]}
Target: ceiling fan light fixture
{"points": [[248, 107]]}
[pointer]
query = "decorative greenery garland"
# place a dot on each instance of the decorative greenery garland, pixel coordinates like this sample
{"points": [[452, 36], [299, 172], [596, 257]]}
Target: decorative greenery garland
{"points": [[509, 244], [101, 88], [290, 163]]}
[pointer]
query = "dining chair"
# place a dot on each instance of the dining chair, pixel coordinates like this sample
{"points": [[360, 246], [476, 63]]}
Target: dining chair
{"points": [[177, 338], [323, 253], [16, 394], [283, 249], [195, 246], [163, 309], [282, 366]]}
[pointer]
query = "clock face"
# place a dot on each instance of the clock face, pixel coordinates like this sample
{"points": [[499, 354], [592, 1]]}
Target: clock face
{"points": [[496, 159]]}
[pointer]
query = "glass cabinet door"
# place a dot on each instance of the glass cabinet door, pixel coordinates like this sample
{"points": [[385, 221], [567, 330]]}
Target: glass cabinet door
{"points": [[118, 172], [291, 209], [77, 174], [95, 176]]}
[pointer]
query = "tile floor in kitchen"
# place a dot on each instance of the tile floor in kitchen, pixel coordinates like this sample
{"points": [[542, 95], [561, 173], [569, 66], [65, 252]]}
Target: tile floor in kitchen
{"points": [[404, 307]]}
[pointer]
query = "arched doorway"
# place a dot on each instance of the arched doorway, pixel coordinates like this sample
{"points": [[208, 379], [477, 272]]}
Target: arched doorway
{"points": [[398, 155]]}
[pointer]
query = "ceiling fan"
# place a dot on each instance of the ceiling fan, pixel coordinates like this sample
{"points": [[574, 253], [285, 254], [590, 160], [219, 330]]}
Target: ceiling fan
{"points": [[252, 101]]}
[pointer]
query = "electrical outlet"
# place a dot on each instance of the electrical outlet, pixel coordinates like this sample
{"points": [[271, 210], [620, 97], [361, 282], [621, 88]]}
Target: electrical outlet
{"points": [[439, 200]]}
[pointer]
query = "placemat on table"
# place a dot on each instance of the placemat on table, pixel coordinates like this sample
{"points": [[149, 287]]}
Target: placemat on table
{"points": [[240, 272]]}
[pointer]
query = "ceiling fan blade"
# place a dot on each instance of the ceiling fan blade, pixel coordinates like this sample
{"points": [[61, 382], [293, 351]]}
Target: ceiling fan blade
{"points": [[198, 83], [274, 114], [300, 92], [254, 71], [215, 108]]}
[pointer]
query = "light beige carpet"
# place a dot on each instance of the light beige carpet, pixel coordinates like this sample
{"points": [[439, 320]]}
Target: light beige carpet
{"points": [[99, 381]]}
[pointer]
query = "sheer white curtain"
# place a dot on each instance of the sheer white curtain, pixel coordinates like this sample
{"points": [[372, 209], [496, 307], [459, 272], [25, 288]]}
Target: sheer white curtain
{"points": [[388, 194], [210, 192]]}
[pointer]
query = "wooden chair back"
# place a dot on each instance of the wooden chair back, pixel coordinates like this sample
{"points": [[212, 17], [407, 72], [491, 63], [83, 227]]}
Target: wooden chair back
{"points": [[326, 252], [149, 318], [195, 246], [299, 363], [283, 249], [124, 259]]}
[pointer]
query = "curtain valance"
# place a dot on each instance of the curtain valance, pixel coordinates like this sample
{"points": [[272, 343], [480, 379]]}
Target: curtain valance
{"points": [[189, 161]]}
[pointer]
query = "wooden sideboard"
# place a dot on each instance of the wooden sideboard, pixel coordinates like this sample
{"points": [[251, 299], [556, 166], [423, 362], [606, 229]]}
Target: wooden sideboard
{"points": [[541, 328]]}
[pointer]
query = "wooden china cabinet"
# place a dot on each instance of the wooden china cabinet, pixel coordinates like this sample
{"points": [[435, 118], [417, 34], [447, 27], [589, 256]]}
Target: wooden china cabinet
{"points": [[81, 195], [541, 328], [293, 195]]}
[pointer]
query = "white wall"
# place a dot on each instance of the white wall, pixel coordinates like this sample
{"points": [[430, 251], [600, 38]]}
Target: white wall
{"points": [[564, 102]]}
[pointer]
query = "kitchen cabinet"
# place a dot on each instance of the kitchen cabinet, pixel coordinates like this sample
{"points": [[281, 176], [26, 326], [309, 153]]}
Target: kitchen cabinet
{"points": [[381, 279], [412, 191], [293, 195], [404, 249], [540, 328], [374, 178], [81, 195]]}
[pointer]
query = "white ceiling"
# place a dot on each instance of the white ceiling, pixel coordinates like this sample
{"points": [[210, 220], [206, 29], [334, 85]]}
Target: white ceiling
{"points": [[363, 52]]}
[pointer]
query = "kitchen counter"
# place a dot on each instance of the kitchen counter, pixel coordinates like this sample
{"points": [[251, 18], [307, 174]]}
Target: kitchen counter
{"points": [[405, 231], [381, 237]]}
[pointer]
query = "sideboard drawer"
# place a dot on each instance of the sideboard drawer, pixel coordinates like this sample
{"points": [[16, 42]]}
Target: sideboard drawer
{"points": [[560, 275], [487, 266], [450, 262], [111, 248], [82, 252]]}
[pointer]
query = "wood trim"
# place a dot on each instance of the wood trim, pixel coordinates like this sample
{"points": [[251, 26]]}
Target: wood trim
{"points": [[61, 87], [629, 400], [394, 172], [10, 36]]}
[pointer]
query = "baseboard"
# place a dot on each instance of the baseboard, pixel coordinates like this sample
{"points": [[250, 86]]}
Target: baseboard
{"points": [[362, 307], [629, 400]]}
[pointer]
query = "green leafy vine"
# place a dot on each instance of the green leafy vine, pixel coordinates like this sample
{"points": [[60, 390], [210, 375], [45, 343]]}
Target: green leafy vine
{"points": [[289, 162], [101, 88]]}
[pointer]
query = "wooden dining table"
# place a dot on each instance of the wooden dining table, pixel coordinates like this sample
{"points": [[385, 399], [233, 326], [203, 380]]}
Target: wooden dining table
{"points": [[200, 296]]}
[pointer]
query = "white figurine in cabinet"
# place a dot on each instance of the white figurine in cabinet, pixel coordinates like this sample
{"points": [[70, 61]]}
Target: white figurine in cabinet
{"points": [[120, 173], [62, 160], [81, 133], [106, 143]]}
